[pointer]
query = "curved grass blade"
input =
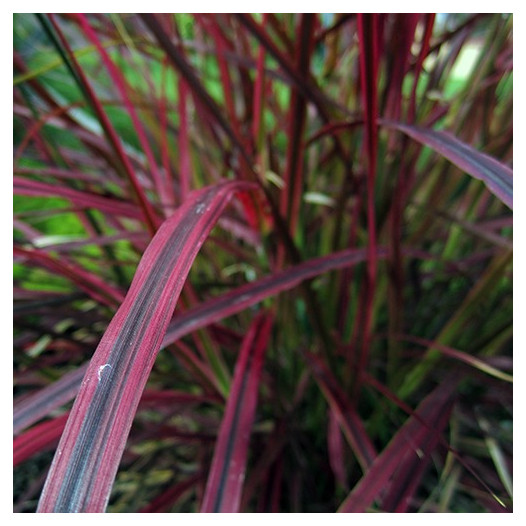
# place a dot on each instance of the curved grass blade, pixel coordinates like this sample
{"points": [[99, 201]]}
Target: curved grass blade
{"points": [[40, 438], [252, 293], [405, 441], [80, 198], [91, 447], [349, 420], [227, 474], [496, 175], [88, 282], [41, 403], [168, 498], [412, 467]]}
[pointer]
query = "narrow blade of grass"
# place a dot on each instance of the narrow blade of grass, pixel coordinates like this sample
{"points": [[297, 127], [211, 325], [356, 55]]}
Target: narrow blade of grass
{"points": [[291, 198], [40, 438], [496, 175], [406, 440], [41, 403], [30, 187], [163, 502], [369, 60], [349, 420], [88, 282], [193, 81], [120, 83], [77, 72], [89, 452], [227, 474], [412, 466]]}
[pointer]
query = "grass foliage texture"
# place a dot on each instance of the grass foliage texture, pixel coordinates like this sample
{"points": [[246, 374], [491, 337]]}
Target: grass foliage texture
{"points": [[263, 263]]}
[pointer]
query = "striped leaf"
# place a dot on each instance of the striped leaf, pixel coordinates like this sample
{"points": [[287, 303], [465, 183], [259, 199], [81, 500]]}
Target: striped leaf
{"points": [[411, 437], [227, 474], [496, 175], [90, 449]]}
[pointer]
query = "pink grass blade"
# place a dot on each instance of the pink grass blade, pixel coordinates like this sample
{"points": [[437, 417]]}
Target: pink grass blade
{"points": [[30, 187], [259, 99], [406, 440], [291, 198], [223, 46], [496, 175], [252, 293], [90, 449], [197, 88], [74, 175], [426, 39], [94, 286], [227, 473], [369, 57], [336, 449], [121, 85], [349, 420], [184, 140], [304, 85], [42, 402], [408, 476], [139, 239], [169, 198], [150, 216], [169, 497], [401, 39], [40, 438]]}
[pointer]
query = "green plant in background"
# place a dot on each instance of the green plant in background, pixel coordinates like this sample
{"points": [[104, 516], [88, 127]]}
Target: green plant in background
{"points": [[263, 263]]}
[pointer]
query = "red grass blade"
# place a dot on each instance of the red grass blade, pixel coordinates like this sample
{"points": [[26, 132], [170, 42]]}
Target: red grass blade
{"points": [[41, 403], [350, 422], [227, 474], [41, 437], [252, 293], [368, 41], [192, 80], [183, 140], [29, 187], [89, 452], [335, 448], [426, 39], [406, 440], [120, 83], [291, 198], [496, 176], [408, 476], [259, 91], [171, 495], [147, 209], [90, 283], [308, 89], [400, 39]]}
